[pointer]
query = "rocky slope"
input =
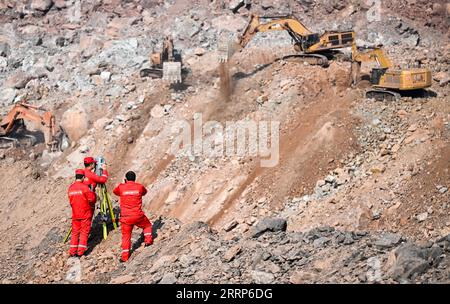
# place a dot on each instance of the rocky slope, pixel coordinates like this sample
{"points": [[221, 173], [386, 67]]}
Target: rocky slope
{"points": [[360, 193]]}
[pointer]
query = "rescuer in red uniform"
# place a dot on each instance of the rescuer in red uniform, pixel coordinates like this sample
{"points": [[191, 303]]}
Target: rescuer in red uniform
{"points": [[82, 200], [92, 179], [131, 212]]}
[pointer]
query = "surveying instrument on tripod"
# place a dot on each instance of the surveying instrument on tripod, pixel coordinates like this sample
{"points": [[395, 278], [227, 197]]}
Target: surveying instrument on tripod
{"points": [[105, 202]]}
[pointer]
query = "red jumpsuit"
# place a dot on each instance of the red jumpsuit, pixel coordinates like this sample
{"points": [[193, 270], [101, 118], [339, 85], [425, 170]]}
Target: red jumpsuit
{"points": [[81, 199], [131, 214], [92, 179]]}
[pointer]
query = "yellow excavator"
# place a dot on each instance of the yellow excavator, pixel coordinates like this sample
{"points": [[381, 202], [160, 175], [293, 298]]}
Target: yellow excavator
{"points": [[165, 64], [311, 47], [388, 83]]}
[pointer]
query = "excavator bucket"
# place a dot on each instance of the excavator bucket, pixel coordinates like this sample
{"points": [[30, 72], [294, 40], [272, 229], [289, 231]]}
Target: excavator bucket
{"points": [[172, 72], [64, 141], [226, 46], [224, 50]]}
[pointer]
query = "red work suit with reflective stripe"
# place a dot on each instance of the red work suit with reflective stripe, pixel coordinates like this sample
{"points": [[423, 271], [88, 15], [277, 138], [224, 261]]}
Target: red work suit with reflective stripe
{"points": [[82, 200], [92, 179], [131, 214]]}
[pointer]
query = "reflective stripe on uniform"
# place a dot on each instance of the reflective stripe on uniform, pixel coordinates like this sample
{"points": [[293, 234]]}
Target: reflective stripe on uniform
{"points": [[125, 250], [82, 246], [76, 192], [130, 192], [148, 233], [73, 246]]}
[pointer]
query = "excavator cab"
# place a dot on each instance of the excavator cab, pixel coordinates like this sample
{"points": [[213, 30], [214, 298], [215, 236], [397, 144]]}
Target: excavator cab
{"points": [[308, 41], [167, 63], [156, 59]]}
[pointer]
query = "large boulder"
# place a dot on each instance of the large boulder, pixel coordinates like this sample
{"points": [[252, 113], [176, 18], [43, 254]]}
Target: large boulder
{"points": [[229, 23], [168, 278], [261, 277], [269, 224], [388, 240], [18, 80], [41, 5], [442, 77], [7, 96], [157, 111], [122, 279], [4, 49], [75, 122], [409, 260], [117, 25], [60, 4]]}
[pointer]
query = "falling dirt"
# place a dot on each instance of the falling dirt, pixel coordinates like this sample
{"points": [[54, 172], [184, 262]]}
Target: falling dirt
{"points": [[225, 81]]}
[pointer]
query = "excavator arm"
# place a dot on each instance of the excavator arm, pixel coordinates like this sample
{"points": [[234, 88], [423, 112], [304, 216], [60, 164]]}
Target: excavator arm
{"points": [[373, 54], [283, 23], [304, 39], [28, 112]]}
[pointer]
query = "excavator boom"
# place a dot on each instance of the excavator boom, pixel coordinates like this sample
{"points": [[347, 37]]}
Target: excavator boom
{"points": [[281, 23], [167, 63], [387, 82], [373, 54], [24, 111], [305, 40]]}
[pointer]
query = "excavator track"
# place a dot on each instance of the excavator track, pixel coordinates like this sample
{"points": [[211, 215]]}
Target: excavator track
{"points": [[8, 142], [25, 141], [382, 95], [152, 73], [313, 59]]}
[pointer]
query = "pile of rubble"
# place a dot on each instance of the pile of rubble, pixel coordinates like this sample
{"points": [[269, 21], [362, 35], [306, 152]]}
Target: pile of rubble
{"points": [[266, 254]]}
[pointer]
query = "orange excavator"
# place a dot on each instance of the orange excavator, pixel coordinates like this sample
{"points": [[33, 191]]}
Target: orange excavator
{"points": [[12, 128], [166, 64]]}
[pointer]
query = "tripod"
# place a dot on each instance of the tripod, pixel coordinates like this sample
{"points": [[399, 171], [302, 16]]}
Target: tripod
{"points": [[105, 207]]}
